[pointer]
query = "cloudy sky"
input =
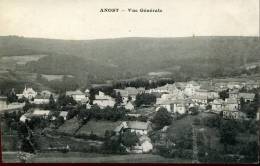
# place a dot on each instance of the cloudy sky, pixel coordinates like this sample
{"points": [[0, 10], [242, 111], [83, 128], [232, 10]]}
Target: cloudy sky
{"points": [[82, 19]]}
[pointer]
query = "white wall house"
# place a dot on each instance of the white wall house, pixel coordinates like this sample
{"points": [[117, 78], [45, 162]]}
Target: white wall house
{"points": [[140, 128], [191, 88], [217, 105], [103, 100], [77, 96]]}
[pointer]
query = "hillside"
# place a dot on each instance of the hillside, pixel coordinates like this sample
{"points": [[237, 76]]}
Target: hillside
{"points": [[105, 59]]}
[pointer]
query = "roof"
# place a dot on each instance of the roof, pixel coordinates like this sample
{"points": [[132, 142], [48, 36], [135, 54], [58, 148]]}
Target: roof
{"points": [[199, 97], [233, 91], [168, 102], [137, 125], [247, 95], [76, 92], [193, 83], [45, 93], [231, 101], [218, 101], [41, 112], [63, 113], [41, 97], [201, 90]]}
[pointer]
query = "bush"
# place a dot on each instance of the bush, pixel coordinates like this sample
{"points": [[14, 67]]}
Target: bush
{"points": [[162, 118]]}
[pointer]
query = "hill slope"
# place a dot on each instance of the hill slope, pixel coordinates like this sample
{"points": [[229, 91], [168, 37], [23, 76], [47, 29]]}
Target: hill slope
{"points": [[126, 57]]}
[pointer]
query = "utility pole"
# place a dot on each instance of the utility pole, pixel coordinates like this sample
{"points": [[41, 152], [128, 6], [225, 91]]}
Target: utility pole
{"points": [[195, 146]]}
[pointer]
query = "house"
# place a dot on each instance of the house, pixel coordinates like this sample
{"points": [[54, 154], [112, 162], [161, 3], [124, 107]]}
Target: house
{"points": [[39, 99], [201, 92], [129, 106], [212, 94], [173, 106], [34, 113], [217, 105], [143, 146], [233, 94], [28, 93], [77, 95], [251, 84], [130, 91], [103, 100], [46, 93], [231, 104], [172, 96], [64, 114], [221, 85], [168, 88], [191, 87], [234, 85], [228, 114], [211, 91], [40, 113], [140, 128], [181, 85], [200, 100], [248, 97]]}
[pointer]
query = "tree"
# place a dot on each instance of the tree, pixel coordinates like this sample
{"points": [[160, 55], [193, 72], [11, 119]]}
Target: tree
{"points": [[145, 99], [52, 103], [11, 97], [27, 106], [119, 99], [129, 138], [162, 118], [228, 133], [113, 145], [224, 94]]}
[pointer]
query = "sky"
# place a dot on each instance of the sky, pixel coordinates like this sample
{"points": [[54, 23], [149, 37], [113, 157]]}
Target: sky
{"points": [[82, 19]]}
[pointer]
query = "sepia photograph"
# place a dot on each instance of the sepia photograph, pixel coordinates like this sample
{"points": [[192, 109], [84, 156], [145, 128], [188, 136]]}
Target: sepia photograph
{"points": [[130, 81]]}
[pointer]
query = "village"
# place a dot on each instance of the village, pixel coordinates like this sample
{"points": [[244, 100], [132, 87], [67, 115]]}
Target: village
{"points": [[128, 120]]}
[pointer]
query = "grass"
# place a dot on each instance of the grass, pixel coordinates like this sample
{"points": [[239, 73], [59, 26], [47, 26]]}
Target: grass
{"points": [[54, 77], [100, 158], [10, 157], [97, 128], [69, 127]]}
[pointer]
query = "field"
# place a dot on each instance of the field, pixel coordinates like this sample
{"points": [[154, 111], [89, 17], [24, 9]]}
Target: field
{"points": [[101, 158], [9, 62], [70, 127], [54, 77], [97, 128]]}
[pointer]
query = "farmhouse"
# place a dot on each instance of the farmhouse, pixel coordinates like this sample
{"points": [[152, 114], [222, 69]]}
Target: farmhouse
{"points": [[64, 114], [173, 106], [199, 99], [35, 113], [248, 97], [233, 94], [39, 99], [77, 96], [130, 91], [231, 104], [227, 114], [191, 87], [129, 106], [217, 105], [140, 128], [103, 100]]}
